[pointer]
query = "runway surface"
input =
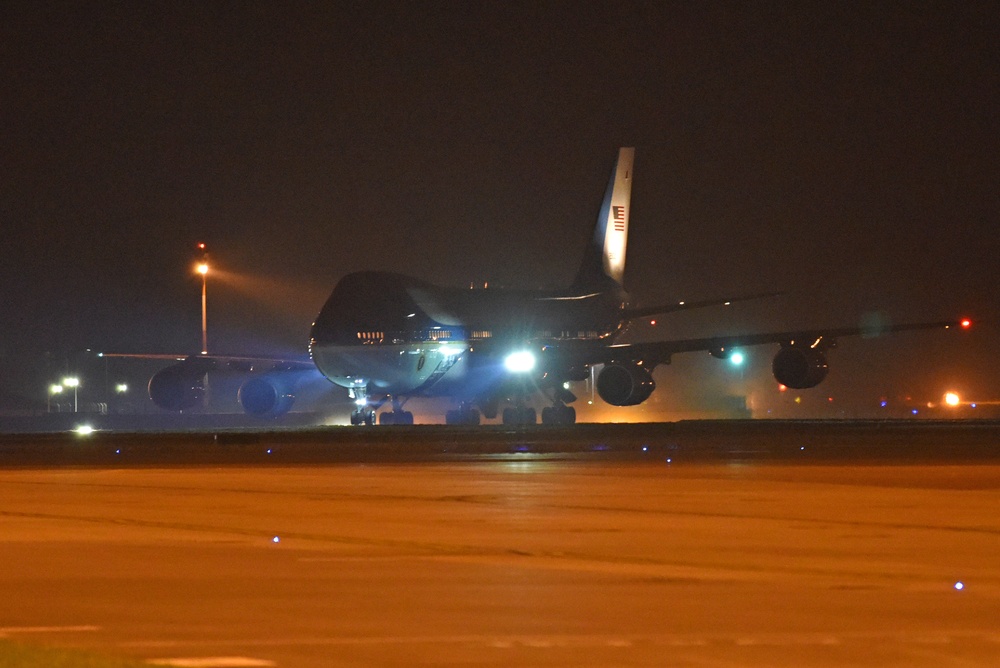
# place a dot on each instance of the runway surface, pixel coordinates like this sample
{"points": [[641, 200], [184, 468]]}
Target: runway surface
{"points": [[508, 555]]}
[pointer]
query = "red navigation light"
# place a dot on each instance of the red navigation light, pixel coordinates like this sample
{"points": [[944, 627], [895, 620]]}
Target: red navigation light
{"points": [[966, 323], [201, 246]]}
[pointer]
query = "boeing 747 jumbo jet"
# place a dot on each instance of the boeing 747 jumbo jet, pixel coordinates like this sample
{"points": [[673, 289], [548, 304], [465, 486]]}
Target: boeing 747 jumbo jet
{"points": [[387, 337]]}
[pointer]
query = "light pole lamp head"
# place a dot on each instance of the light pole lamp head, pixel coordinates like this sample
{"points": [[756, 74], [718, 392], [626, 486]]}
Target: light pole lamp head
{"points": [[202, 268]]}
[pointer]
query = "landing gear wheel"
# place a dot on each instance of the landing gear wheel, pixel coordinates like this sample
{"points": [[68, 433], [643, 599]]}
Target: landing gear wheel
{"points": [[363, 416], [490, 408], [464, 416], [520, 415], [558, 415], [395, 417]]}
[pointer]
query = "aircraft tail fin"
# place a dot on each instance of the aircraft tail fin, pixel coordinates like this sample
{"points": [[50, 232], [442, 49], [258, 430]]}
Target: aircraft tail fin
{"points": [[603, 264]]}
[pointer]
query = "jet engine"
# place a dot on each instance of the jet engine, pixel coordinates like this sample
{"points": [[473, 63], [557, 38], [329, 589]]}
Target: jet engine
{"points": [[180, 386], [269, 395], [625, 384], [799, 368]]}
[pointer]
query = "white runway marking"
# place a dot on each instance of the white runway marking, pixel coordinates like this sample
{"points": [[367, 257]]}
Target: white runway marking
{"points": [[213, 662], [588, 640], [4, 630]]}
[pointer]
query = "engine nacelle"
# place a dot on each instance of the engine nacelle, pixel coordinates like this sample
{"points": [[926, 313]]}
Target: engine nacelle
{"points": [[180, 386], [799, 368], [267, 396], [625, 384]]}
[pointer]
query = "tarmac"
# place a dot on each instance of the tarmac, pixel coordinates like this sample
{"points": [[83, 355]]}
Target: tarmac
{"points": [[687, 544]]}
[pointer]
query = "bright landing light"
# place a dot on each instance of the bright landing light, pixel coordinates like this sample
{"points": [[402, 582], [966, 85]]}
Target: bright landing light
{"points": [[737, 359], [521, 361]]}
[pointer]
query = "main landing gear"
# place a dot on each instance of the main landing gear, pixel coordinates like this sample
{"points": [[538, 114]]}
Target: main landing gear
{"points": [[464, 414], [559, 414], [519, 415], [397, 415]]}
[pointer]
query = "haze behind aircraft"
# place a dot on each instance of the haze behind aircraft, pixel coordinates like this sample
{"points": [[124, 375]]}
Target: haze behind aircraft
{"points": [[386, 338]]}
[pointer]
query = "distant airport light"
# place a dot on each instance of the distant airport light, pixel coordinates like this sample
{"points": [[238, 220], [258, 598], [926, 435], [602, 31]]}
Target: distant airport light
{"points": [[952, 399], [966, 323], [121, 388], [84, 430], [54, 389], [521, 361], [73, 382], [202, 268], [959, 585]]}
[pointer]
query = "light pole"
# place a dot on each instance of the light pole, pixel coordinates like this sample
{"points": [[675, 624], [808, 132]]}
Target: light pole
{"points": [[202, 269], [55, 388], [73, 382]]}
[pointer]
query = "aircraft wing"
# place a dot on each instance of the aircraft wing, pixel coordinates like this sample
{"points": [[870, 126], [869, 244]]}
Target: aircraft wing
{"points": [[663, 309], [211, 362], [650, 354]]}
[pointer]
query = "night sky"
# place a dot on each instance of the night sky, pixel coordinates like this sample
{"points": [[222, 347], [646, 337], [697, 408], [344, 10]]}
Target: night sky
{"points": [[846, 154]]}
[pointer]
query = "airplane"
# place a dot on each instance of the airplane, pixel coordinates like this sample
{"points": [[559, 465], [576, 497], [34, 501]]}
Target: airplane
{"points": [[387, 337]]}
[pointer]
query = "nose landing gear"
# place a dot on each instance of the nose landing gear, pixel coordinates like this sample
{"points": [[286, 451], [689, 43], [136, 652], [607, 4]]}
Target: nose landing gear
{"points": [[363, 415]]}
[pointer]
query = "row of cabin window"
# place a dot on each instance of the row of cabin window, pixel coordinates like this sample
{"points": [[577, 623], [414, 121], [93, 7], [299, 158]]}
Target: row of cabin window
{"points": [[437, 334]]}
